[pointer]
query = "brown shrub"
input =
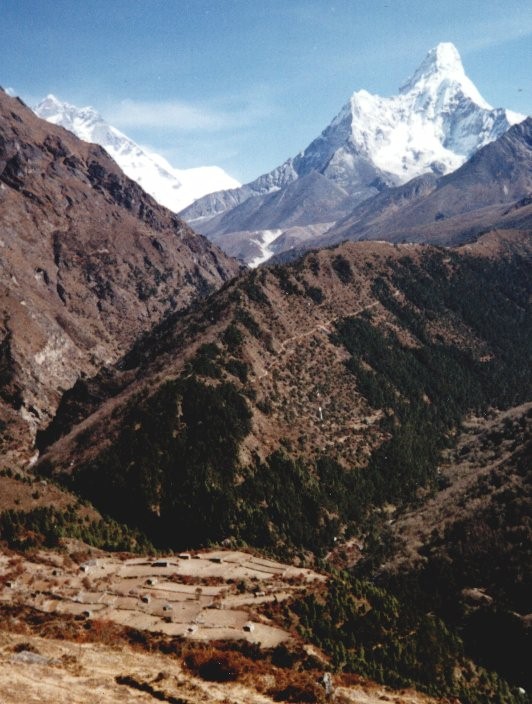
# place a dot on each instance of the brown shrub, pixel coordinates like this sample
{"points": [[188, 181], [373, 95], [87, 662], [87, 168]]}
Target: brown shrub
{"points": [[80, 556], [190, 580], [299, 687], [103, 631], [24, 647], [350, 679], [215, 665], [15, 565]]}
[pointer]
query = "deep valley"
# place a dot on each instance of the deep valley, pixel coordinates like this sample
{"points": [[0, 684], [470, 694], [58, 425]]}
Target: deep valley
{"points": [[304, 482]]}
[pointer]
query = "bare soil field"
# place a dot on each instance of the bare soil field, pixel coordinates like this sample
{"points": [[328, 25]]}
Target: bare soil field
{"points": [[205, 596]]}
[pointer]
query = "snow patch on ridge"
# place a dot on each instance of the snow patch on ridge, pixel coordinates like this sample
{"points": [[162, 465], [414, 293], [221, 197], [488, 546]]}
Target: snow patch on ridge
{"points": [[264, 238]]}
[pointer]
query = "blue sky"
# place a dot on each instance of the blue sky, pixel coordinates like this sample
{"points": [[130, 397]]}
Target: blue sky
{"points": [[244, 84]]}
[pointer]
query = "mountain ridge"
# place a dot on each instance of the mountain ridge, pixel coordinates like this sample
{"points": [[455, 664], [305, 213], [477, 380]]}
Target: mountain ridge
{"points": [[263, 351], [435, 123], [173, 188], [478, 195], [88, 262]]}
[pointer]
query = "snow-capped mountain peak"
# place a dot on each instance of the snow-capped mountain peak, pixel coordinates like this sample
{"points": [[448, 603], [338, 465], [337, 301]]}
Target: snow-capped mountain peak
{"points": [[171, 187], [51, 104], [87, 124], [436, 121], [442, 68], [443, 57]]}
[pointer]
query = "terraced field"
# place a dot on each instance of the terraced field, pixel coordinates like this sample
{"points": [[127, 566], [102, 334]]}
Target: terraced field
{"points": [[202, 596]]}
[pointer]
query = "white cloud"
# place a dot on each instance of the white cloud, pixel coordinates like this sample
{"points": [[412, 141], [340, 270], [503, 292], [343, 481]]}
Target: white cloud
{"points": [[165, 114], [183, 116]]}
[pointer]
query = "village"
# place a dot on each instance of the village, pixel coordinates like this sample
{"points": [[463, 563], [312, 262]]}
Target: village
{"points": [[203, 596]]}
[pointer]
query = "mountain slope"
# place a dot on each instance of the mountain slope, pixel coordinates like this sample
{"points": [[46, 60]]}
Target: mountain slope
{"points": [[435, 123], [88, 262], [302, 408], [173, 188], [305, 201], [466, 551], [445, 210], [323, 351]]}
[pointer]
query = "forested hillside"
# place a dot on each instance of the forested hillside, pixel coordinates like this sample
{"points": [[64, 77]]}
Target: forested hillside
{"points": [[303, 410]]}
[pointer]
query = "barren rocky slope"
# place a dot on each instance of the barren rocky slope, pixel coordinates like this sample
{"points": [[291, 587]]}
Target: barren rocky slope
{"points": [[88, 262]]}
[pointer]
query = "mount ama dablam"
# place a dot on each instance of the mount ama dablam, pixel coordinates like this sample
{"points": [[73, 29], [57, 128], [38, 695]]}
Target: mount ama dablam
{"points": [[436, 122]]}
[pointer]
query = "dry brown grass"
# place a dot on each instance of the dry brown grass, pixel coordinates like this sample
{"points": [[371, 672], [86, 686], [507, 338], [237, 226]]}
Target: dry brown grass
{"points": [[126, 662]]}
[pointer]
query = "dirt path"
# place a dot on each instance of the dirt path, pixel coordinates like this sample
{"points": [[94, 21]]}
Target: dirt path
{"points": [[324, 327]]}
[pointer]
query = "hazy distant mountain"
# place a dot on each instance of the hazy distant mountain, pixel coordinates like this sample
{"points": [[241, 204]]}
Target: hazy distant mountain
{"points": [[173, 188], [435, 123]]}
